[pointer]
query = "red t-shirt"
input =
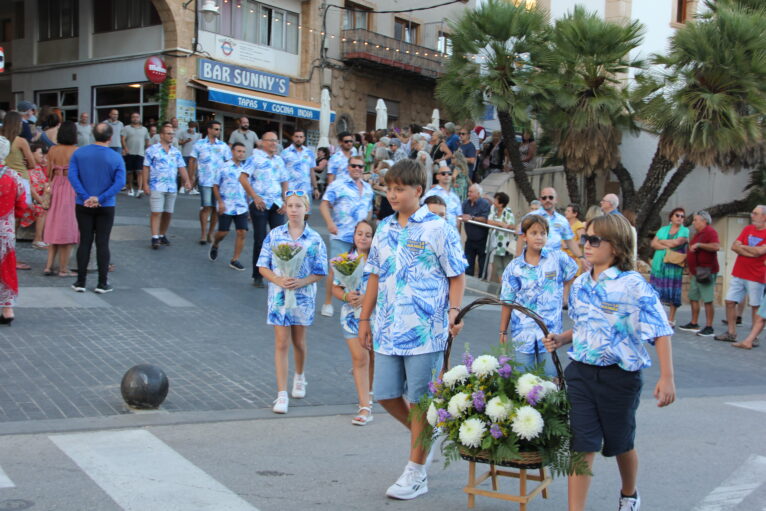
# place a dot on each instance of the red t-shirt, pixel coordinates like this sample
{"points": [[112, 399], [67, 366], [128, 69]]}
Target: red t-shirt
{"points": [[751, 268], [703, 258]]}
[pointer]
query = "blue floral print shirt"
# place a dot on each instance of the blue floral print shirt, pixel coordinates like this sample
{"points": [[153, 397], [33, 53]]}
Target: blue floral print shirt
{"points": [[299, 165], [454, 207], [558, 228], [315, 263], [163, 168], [413, 264], [349, 206], [266, 176], [338, 163], [613, 317], [210, 157], [539, 288], [230, 188]]}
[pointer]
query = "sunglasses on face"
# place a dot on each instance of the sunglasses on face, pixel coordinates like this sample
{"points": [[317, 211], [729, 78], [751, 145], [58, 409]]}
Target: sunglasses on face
{"points": [[547, 197], [679, 215], [445, 173], [594, 241], [350, 141], [355, 166], [297, 193], [463, 133]]}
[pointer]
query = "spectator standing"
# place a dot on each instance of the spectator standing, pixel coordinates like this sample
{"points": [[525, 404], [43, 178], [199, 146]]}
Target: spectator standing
{"points": [[28, 113], [207, 158], [749, 273], [528, 150], [244, 136], [666, 277], [320, 168], [398, 152], [84, 130], [97, 175], [135, 139], [187, 140], [476, 209], [154, 137], [50, 121], [501, 242], [439, 149], [264, 179], [559, 232], [460, 179], [162, 164], [347, 201], [468, 150], [299, 160], [436, 205], [610, 204], [338, 164], [117, 126], [232, 205], [451, 138], [443, 190], [592, 213], [702, 261]]}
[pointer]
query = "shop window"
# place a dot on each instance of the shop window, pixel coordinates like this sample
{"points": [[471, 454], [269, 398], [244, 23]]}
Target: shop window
{"points": [[356, 16], [406, 31], [64, 100], [444, 43], [256, 23], [111, 15], [127, 98], [58, 19]]}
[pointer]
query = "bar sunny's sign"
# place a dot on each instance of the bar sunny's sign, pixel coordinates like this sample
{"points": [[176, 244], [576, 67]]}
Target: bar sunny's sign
{"points": [[238, 76]]}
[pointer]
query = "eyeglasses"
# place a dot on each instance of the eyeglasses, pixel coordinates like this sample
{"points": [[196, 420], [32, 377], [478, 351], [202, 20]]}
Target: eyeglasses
{"points": [[349, 141], [594, 241], [547, 197], [463, 133], [297, 193], [355, 166], [216, 129], [445, 173], [268, 140], [679, 215]]}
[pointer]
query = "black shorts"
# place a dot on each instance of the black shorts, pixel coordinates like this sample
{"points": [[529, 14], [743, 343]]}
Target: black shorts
{"points": [[240, 222], [134, 162], [603, 403]]}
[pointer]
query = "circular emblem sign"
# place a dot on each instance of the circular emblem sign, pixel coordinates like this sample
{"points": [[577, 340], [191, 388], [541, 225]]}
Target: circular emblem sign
{"points": [[155, 70]]}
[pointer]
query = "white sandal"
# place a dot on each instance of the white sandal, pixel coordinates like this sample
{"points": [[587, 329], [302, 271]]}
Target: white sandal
{"points": [[362, 420]]}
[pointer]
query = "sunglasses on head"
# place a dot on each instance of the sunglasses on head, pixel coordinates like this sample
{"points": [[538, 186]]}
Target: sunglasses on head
{"points": [[445, 173], [297, 193], [594, 241], [355, 166], [547, 197]]}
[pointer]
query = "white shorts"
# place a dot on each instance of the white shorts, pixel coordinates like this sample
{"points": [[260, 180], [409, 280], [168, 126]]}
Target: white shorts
{"points": [[162, 202], [738, 288]]}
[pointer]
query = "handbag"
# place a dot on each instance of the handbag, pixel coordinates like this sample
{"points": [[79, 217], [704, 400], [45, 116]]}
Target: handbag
{"points": [[703, 275], [673, 257]]}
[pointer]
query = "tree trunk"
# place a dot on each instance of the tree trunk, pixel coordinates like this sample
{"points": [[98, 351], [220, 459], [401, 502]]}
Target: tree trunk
{"points": [[731, 208], [650, 189], [683, 170], [573, 187], [626, 186], [519, 171], [590, 190]]}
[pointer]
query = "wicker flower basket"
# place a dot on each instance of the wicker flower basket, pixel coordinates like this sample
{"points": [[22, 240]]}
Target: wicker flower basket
{"points": [[527, 459]]}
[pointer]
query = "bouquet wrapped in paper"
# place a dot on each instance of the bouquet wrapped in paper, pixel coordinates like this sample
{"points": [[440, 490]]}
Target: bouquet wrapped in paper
{"points": [[290, 258], [349, 270]]}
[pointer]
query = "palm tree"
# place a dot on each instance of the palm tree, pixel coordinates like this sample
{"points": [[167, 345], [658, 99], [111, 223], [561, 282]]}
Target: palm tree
{"points": [[706, 101], [496, 53], [589, 108]]}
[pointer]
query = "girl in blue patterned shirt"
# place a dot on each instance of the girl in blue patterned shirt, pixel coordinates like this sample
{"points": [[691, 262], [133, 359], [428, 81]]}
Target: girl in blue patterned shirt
{"points": [[362, 359], [291, 323], [615, 311]]}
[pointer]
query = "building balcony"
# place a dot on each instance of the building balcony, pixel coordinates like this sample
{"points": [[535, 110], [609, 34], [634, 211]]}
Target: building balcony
{"points": [[370, 49]]}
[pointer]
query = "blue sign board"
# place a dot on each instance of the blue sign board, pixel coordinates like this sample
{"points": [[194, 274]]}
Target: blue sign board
{"points": [[238, 76], [265, 105]]}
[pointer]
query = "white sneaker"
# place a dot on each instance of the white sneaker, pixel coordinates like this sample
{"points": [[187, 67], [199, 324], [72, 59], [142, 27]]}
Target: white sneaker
{"points": [[130, 193], [139, 193], [409, 485], [630, 503], [280, 405], [181, 190], [194, 192], [299, 388], [327, 310]]}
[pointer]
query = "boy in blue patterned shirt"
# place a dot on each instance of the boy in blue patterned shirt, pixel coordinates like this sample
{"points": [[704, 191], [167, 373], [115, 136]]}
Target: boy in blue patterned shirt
{"points": [[536, 281], [232, 205], [615, 312], [416, 286]]}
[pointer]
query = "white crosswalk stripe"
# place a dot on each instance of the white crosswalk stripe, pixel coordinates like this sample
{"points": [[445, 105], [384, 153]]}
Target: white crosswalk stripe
{"points": [[737, 487], [758, 406], [5, 481], [142, 473]]}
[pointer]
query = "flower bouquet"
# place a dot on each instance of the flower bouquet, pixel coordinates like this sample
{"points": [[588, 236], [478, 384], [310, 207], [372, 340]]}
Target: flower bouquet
{"points": [[349, 270], [490, 411], [290, 258]]}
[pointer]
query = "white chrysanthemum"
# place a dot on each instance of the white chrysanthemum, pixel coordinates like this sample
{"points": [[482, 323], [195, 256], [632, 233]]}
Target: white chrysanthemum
{"points": [[528, 423], [526, 383], [457, 374], [459, 403], [497, 410], [548, 387], [471, 431], [484, 365], [432, 416]]}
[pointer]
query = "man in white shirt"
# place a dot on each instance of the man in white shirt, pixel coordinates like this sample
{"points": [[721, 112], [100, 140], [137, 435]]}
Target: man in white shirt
{"points": [[84, 130], [186, 140], [117, 126], [244, 136], [135, 139]]}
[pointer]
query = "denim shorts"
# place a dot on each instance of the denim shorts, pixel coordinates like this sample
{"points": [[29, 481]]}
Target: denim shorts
{"points": [[738, 288], [338, 247], [603, 400], [531, 360], [206, 197], [408, 376]]}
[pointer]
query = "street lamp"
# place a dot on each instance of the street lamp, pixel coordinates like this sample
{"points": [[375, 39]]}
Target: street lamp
{"points": [[209, 11]]}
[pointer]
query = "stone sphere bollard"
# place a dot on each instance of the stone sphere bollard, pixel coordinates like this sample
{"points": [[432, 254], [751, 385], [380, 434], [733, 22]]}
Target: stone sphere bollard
{"points": [[144, 386]]}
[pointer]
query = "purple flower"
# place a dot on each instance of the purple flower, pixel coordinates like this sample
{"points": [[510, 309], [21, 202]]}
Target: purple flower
{"points": [[467, 361], [433, 387], [478, 400], [503, 359], [443, 414], [505, 371], [495, 431], [534, 395]]}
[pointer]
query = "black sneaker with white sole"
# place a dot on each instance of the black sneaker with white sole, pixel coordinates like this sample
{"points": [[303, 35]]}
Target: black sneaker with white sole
{"points": [[213, 253], [164, 240], [236, 265], [103, 289], [690, 327], [79, 286], [155, 243], [706, 332]]}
